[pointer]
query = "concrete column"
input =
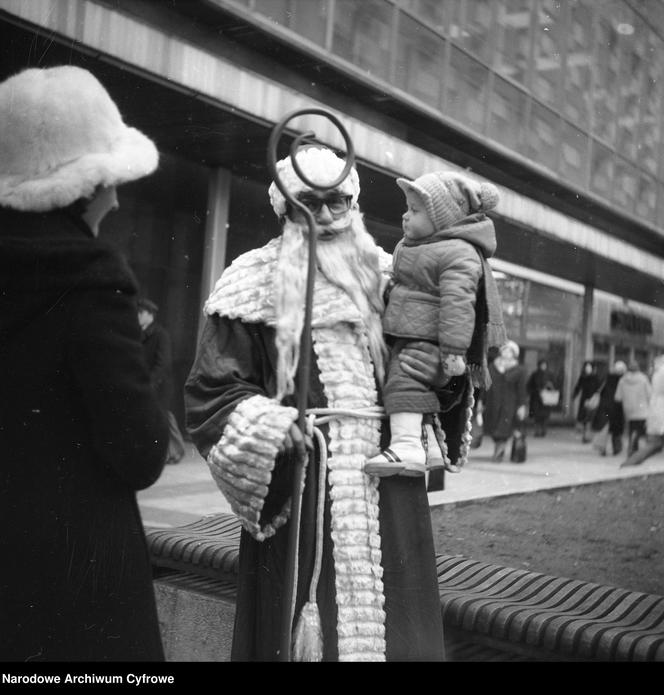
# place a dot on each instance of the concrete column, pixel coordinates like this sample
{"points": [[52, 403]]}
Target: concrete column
{"points": [[587, 323], [216, 233]]}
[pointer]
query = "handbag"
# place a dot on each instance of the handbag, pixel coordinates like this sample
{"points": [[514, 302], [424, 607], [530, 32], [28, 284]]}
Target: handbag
{"points": [[592, 403], [550, 397], [519, 448]]}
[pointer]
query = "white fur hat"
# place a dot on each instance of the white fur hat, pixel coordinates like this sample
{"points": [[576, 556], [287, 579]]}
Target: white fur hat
{"points": [[320, 165], [61, 136]]}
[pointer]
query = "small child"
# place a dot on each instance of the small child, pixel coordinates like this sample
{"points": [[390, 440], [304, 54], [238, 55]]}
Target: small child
{"points": [[443, 292]]}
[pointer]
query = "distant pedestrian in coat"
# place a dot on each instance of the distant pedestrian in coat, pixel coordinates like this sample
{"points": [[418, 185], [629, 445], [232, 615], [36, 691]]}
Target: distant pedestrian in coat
{"points": [[158, 355], [609, 420], [540, 380], [586, 386], [444, 292], [654, 419], [506, 401], [633, 392], [80, 427]]}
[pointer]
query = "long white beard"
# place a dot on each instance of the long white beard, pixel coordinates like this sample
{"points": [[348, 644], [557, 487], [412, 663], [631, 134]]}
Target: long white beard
{"points": [[350, 261]]}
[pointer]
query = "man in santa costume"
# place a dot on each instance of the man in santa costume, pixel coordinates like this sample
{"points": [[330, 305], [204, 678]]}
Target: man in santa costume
{"points": [[366, 572]]}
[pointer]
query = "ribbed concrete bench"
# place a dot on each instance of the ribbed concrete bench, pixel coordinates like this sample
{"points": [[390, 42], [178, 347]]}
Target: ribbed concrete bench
{"points": [[490, 612]]}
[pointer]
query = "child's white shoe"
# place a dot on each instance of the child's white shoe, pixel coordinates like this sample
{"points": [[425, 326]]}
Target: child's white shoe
{"points": [[405, 455], [397, 459]]}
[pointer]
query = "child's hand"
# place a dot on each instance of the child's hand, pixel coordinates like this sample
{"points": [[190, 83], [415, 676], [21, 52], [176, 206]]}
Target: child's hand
{"points": [[453, 365]]}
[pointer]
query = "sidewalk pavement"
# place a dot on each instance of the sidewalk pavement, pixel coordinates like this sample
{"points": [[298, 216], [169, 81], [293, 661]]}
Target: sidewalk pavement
{"points": [[186, 492]]}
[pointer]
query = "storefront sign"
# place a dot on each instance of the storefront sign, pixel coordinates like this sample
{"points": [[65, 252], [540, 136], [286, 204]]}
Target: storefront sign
{"points": [[630, 323]]}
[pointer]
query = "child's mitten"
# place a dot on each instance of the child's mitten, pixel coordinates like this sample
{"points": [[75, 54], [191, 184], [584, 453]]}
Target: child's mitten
{"points": [[453, 365]]}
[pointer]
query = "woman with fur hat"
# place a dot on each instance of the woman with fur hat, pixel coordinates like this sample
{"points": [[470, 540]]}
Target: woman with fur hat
{"points": [[443, 292], [80, 427], [366, 574]]}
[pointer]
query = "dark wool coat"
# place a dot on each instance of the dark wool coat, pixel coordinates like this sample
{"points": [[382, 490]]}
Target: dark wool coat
{"points": [[539, 380], [236, 360], [609, 410], [585, 386], [436, 284], [80, 432], [507, 393], [158, 356]]}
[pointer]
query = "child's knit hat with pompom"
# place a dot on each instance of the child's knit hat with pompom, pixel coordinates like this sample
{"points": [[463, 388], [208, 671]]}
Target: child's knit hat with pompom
{"points": [[449, 196]]}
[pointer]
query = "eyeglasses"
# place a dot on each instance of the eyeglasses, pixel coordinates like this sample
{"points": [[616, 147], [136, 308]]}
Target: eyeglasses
{"points": [[337, 205]]}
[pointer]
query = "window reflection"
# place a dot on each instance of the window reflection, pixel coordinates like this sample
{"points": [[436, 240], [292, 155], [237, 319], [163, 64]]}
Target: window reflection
{"points": [[507, 115], [624, 190], [646, 197], [573, 160], [431, 12], [606, 73], [653, 102], [466, 90], [362, 34], [577, 80], [632, 48], [543, 138], [419, 63], [471, 24], [513, 20], [601, 170], [549, 36]]}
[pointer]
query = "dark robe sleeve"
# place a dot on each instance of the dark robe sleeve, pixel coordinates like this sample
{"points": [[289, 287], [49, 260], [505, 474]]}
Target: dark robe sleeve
{"points": [[235, 360]]}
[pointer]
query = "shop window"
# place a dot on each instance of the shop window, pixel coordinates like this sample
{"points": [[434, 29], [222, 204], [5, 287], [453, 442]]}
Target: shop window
{"points": [[420, 59], [466, 90], [507, 115], [362, 34], [512, 293]]}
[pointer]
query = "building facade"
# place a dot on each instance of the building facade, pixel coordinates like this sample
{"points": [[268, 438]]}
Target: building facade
{"points": [[559, 103]]}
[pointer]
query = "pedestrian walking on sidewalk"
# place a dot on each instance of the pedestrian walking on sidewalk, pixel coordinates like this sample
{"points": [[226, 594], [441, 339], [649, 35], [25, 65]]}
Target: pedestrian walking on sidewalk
{"points": [[587, 385], [506, 400], [158, 356], [80, 428], [609, 420], [633, 392], [540, 380]]}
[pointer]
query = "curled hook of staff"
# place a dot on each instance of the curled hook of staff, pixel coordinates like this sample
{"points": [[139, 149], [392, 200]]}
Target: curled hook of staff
{"points": [[298, 142]]}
